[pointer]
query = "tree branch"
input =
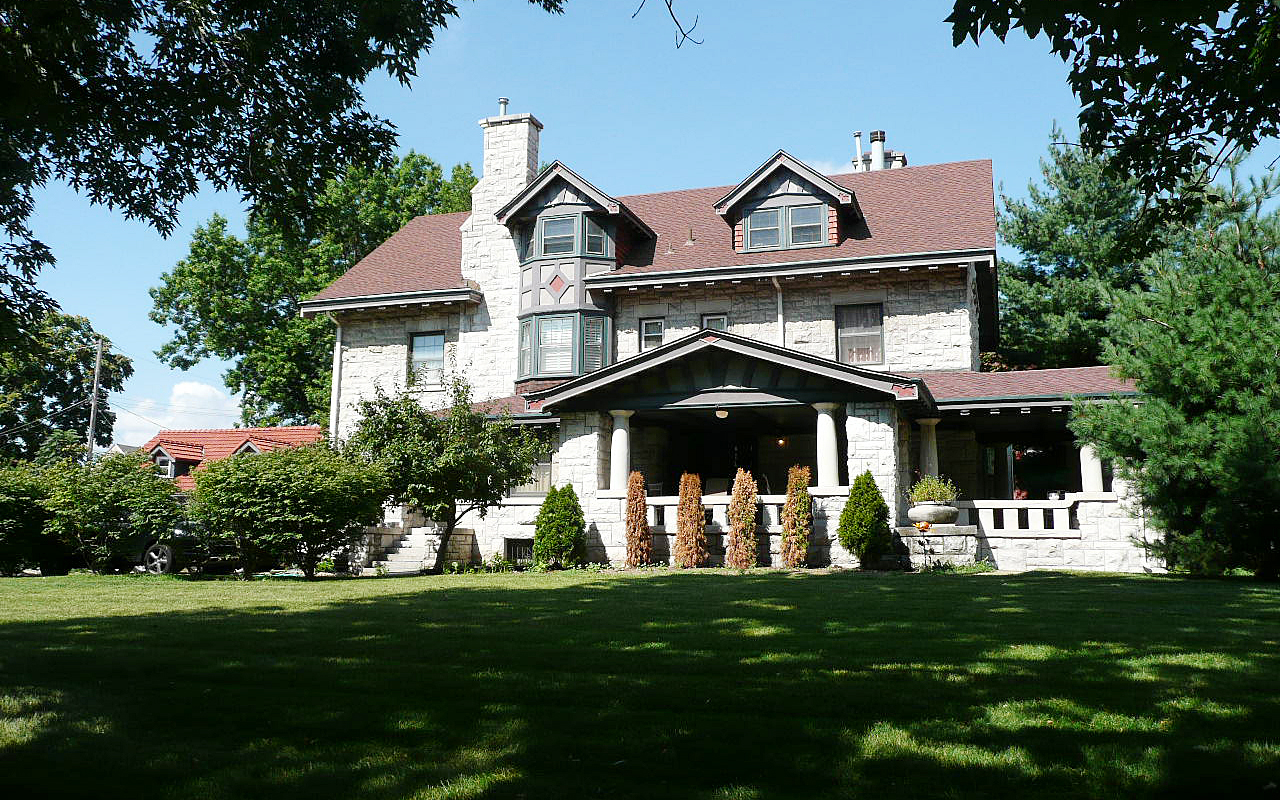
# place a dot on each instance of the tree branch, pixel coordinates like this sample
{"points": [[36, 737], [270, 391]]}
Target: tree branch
{"points": [[682, 34]]}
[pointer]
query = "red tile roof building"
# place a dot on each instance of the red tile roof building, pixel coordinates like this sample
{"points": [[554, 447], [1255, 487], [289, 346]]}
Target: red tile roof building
{"points": [[192, 450]]}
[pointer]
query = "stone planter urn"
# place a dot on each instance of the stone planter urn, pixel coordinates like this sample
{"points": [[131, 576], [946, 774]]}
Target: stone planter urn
{"points": [[933, 512]]}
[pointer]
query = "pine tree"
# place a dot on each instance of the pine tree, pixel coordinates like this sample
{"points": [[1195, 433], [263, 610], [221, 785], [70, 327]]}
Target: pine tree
{"points": [[690, 548], [559, 531], [639, 539], [864, 522], [797, 518], [743, 549]]}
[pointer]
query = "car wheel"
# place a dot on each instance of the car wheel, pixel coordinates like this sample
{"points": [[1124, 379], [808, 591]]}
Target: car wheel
{"points": [[159, 559]]}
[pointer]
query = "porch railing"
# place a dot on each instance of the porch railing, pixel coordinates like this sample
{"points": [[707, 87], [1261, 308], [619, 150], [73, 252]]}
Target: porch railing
{"points": [[1015, 517], [663, 511]]}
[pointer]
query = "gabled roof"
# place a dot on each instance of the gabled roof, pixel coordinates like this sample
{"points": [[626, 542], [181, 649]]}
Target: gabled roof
{"points": [[722, 389], [781, 160], [556, 170], [203, 446]]}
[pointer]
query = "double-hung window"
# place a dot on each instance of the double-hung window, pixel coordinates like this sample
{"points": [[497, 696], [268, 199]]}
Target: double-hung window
{"points": [[597, 242], [526, 347], [593, 343], [426, 360], [804, 225], [651, 331], [555, 345], [764, 229], [558, 235], [715, 322], [860, 333]]}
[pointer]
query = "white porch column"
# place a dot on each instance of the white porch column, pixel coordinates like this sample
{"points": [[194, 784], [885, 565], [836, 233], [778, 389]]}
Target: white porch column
{"points": [[1090, 469], [929, 445], [620, 451], [828, 446]]}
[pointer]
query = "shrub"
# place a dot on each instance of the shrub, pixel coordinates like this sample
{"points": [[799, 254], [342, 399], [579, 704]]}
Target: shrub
{"points": [[102, 511], [299, 503], [23, 542], [559, 533], [933, 488], [797, 518], [864, 522], [639, 539], [948, 568], [743, 549], [690, 549]]}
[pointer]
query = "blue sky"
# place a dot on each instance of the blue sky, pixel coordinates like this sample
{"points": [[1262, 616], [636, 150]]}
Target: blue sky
{"points": [[628, 111]]}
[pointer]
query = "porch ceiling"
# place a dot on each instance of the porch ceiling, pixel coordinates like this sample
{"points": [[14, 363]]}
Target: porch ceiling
{"points": [[713, 369]]}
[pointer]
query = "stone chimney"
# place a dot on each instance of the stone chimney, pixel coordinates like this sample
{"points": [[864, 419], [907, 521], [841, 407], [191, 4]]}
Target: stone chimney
{"points": [[510, 159]]}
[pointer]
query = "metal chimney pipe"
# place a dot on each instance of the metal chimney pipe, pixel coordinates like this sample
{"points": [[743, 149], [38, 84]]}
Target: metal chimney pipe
{"points": [[502, 106], [877, 150], [857, 146]]}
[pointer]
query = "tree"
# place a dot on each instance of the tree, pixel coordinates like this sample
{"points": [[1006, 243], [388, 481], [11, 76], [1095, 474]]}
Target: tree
{"points": [[1170, 90], [864, 521], [1201, 344], [46, 385], [690, 548], [560, 530], [23, 491], [449, 462], [797, 518], [639, 539], [743, 549], [135, 104], [59, 447], [298, 503], [1072, 233], [102, 509], [237, 299]]}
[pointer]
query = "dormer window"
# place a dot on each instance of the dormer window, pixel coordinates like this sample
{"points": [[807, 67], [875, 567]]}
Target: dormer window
{"points": [[785, 227], [597, 241], [763, 231], [805, 225], [558, 235]]}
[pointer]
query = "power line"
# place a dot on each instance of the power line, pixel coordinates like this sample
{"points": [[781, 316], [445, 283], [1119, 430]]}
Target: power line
{"points": [[139, 416], [59, 413]]}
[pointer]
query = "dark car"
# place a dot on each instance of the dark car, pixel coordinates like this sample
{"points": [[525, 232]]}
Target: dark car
{"points": [[187, 547]]}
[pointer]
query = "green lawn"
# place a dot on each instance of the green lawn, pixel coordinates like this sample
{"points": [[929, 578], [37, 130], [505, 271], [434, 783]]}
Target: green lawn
{"points": [[655, 685]]}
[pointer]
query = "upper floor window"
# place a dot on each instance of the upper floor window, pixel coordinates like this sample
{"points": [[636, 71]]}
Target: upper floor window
{"points": [[563, 344], [555, 345], [860, 333], [558, 235], [597, 241], [426, 356], [784, 227], [165, 465], [715, 322], [651, 331]]}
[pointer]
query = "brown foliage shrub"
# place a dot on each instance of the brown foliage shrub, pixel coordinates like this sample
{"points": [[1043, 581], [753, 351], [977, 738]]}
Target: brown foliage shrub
{"points": [[639, 540], [743, 549], [690, 548], [797, 518]]}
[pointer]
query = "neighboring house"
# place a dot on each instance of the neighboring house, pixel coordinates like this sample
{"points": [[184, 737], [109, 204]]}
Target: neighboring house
{"points": [[117, 449], [834, 321], [179, 453]]}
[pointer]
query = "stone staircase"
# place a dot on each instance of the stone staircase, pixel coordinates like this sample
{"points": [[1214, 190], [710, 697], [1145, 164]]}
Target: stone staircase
{"points": [[400, 551]]}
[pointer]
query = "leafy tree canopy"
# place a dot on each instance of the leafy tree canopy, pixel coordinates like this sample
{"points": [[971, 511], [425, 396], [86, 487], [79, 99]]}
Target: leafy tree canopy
{"points": [[1170, 90], [134, 104], [237, 299], [46, 385], [448, 462]]}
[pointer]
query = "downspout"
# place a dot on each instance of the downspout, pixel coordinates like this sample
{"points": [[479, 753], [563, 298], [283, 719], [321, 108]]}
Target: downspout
{"points": [[335, 388], [782, 321]]}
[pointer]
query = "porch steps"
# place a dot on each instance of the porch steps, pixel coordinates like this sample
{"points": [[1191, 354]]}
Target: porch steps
{"points": [[407, 555]]}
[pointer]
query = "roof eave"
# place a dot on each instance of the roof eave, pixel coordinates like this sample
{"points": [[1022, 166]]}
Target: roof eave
{"points": [[311, 308]]}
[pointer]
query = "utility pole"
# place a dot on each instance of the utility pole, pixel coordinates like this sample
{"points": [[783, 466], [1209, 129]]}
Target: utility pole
{"points": [[93, 403]]}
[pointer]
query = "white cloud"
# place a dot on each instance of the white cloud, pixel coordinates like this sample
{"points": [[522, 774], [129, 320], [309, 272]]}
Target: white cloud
{"points": [[829, 166], [191, 404]]}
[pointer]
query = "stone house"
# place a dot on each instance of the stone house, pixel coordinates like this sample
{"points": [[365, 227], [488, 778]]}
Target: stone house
{"points": [[834, 321]]}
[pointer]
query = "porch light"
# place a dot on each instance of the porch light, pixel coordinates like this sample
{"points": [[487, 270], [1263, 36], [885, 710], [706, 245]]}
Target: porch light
{"points": [[721, 413], [782, 443]]}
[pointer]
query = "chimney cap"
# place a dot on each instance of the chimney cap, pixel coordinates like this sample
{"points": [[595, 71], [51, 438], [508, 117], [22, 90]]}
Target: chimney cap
{"points": [[502, 106], [877, 136]]}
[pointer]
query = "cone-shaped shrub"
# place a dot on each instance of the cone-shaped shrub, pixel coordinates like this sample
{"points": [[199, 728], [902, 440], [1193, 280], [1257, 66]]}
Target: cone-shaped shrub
{"points": [[559, 532], [797, 518], [864, 523], [743, 549], [690, 549], [639, 540]]}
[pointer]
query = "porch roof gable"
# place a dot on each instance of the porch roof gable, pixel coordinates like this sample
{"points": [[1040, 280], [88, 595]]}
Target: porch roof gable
{"points": [[890, 386]]}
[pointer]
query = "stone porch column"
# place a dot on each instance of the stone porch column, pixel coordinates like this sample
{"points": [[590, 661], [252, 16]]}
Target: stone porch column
{"points": [[828, 445], [620, 451], [1090, 469], [929, 445]]}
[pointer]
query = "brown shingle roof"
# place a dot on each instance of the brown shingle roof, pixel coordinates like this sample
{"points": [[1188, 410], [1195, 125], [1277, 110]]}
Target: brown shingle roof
{"points": [[1023, 384], [938, 207]]}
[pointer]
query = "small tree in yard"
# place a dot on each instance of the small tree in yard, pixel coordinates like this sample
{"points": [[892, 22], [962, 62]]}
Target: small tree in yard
{"points": [[448, 462], [743, 549], [560, 530], [690, 548], [22, 518], [797, 518], [100, 510], [864, 522], [639, 539], [297, 503]]}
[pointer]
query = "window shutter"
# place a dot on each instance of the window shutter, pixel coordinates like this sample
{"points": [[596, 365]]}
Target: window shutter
{"points": [[592, 344]]}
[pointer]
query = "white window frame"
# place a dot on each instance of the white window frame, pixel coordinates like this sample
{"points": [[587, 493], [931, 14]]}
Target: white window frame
{"points": [[707, 319], [587, 235], [427, 371], [165, 462], [841, 334], [569, 346], [776, 226], [661, 323], [791, 226], [524, 365], [572, 235]]}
